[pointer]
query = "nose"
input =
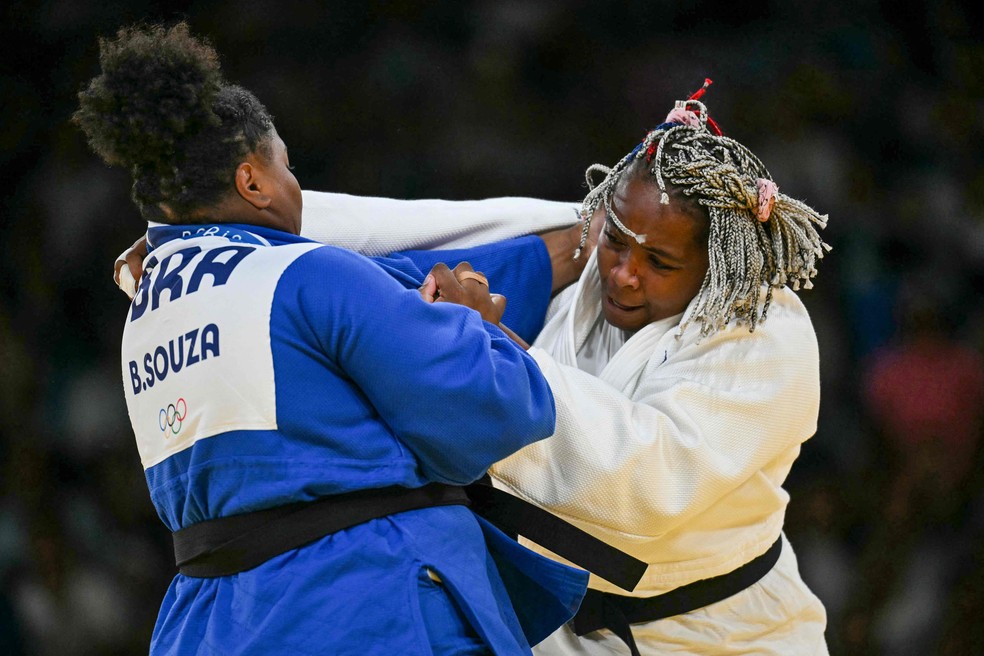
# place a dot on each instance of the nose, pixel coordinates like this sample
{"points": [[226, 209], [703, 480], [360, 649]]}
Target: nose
{"points": [[624, 272]]}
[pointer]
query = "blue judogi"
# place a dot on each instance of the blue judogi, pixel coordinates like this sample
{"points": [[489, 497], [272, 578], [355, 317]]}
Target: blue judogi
{"points": [[262, 369]]}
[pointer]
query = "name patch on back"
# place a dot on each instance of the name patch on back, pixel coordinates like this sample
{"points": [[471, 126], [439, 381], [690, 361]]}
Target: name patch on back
{"points": [[197, 354]]}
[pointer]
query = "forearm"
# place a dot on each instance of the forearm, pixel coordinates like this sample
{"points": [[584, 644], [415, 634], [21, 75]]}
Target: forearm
{"points": [[562, 244], [378, 226]]}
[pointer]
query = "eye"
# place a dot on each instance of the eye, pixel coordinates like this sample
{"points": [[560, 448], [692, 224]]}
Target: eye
{"points": [[657, 263], [613, 238]]}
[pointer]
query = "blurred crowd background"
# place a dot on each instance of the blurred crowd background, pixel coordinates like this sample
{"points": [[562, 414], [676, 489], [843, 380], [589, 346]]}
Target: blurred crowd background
{"points": [[871, 110]]}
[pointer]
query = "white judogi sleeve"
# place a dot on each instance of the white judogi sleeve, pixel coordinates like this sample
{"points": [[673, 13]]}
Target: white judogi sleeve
{"points": [[376, 226], [379, 226]]}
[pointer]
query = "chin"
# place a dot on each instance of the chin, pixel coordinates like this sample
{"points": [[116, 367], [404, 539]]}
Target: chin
{"points": [[622, 322]]}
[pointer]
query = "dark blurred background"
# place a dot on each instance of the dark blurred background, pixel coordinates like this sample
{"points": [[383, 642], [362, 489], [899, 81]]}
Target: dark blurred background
{"points": [[870, 110]]}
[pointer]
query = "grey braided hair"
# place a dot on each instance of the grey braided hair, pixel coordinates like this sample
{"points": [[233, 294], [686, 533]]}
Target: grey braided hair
{"points": [[745, 253]]}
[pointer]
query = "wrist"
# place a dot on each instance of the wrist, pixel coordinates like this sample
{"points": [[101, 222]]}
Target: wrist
{"points": [[561, 245]]}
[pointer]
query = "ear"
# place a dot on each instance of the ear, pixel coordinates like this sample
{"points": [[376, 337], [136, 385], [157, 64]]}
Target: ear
{"points": [[249, 184]]}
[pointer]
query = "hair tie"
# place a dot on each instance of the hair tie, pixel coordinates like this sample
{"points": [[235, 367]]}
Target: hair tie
{"points": [[767, 190], [680, 114], [697, 95]]}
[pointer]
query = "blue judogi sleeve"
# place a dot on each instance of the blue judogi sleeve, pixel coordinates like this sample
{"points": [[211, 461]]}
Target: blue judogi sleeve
{"points": [[476, 397], [519, 269]]}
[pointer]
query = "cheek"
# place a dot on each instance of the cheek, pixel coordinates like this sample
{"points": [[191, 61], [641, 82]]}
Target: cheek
{"points": [[669, 295], [295, 188], [698, 279], [686, 289]]}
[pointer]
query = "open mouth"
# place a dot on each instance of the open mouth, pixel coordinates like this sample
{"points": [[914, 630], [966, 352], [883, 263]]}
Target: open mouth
{"points": [[619, 306]]}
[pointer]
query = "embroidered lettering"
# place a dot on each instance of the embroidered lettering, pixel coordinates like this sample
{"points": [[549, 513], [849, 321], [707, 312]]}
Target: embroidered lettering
{"points": [[169, 278], [182, 273], [179, 353], [219, 270], [210, 340], [135, 377]]}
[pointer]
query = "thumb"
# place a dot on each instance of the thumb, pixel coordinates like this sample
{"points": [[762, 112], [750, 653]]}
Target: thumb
{"points": [[429, 289], [127, 282], [499, 301]]}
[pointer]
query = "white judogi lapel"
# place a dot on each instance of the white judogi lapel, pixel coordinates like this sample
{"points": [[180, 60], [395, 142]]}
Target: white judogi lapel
{"points": [[578, 313]]}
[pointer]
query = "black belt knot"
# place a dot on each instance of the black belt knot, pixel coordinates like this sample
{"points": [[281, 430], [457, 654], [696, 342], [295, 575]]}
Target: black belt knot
{"points": [[603, 610]]}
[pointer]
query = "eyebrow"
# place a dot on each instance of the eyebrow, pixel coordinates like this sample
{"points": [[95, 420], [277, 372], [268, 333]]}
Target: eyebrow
{"points": [[609, 227], [661, 253]]}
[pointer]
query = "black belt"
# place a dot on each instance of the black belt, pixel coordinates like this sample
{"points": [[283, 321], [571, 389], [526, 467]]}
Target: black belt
{"points": [[228, 545], [603, 610], [516, 516]]}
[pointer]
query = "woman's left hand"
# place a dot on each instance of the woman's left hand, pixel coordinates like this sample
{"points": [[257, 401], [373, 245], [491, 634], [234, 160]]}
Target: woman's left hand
{"points": [[129, 267], [463, 286]]}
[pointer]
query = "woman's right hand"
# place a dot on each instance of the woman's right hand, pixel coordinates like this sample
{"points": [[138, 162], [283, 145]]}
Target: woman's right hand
{"points": [[129, 267], [463, 286]]}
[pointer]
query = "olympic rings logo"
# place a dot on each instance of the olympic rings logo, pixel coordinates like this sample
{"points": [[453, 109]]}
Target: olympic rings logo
{"points": [[172, 416]]}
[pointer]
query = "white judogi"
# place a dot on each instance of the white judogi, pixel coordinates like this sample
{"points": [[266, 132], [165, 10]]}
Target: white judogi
{"points": [[675, 452]]}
